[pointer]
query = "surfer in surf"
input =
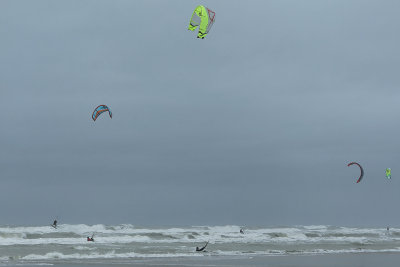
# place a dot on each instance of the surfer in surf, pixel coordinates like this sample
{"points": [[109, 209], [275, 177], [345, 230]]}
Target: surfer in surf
{"points": [[241, 231], [202, 249], [90, 238], [54, 224]]}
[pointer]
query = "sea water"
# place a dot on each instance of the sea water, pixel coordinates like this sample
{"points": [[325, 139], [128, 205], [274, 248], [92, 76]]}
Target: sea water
{"points": [[127, 243]]}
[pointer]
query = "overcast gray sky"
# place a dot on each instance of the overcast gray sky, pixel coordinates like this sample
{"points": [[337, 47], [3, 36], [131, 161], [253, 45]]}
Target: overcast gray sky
{"points": [[253, 125]]}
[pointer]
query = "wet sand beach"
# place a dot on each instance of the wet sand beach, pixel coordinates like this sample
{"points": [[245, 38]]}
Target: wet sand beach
{"points": [[339, 260]]}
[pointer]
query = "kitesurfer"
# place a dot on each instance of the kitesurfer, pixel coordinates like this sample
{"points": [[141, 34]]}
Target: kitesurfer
{"points": [[90, 238], [54, 224], [201, 249], [241, 231]]}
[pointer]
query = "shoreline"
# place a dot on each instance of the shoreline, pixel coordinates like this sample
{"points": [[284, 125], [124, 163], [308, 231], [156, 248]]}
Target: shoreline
{"points": [[386, 259]]}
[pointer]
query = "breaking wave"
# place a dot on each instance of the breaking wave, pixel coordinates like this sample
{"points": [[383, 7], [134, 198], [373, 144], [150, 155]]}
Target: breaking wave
{"points": [[68, 242]]}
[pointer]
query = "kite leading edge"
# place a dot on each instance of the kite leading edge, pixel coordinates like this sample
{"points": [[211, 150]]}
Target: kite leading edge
{"points": [[361, 169]]}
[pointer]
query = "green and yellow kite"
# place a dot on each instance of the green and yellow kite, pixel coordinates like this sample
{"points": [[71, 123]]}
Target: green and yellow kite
{"points": [[388, 173], [204, 18]]}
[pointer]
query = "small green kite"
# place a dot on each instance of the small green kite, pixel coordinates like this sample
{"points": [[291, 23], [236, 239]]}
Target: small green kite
{"points": [[388, 173], [204, 18]]}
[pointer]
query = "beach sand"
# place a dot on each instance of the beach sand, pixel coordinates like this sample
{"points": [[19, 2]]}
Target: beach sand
{"points": [[338, 260]]}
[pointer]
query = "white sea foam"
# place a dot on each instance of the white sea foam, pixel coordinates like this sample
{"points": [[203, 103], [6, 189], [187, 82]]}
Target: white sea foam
{"points": [[54, 255], [84, 248], [107, 255], [67, 242], [75, 234]]}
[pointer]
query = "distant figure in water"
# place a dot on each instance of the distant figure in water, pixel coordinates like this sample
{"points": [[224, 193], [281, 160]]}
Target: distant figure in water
{"points": [[90, 238], [241, 231], [54, 224], [201, 249], [387, 228]]}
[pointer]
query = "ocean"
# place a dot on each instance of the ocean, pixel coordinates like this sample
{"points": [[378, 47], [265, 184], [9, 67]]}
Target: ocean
{"points": [[129, 244]]}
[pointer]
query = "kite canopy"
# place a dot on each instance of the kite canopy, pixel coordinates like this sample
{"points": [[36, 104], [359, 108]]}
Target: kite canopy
{"points": [[388, 173], [203, 17], [361, 169], [100, 109]]}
